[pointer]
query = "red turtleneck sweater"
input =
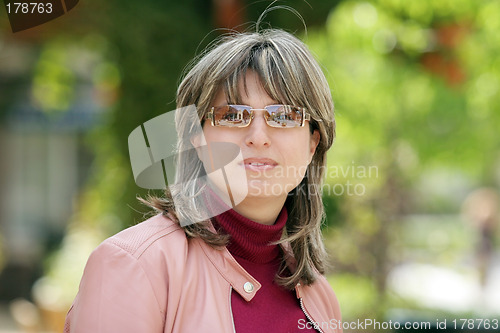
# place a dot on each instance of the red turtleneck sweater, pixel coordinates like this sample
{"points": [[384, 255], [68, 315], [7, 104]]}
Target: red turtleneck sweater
{"points": [[273, 308]]}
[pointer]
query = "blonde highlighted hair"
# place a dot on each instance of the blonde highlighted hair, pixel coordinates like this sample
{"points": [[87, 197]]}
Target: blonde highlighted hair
{"points": [[290, 75]]}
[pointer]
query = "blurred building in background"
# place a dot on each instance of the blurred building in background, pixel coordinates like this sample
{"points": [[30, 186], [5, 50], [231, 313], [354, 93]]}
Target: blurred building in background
{"points": [[44, 165]]}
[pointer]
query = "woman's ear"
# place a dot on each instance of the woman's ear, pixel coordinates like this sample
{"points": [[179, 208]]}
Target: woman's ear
{"points": [[314, 141]]}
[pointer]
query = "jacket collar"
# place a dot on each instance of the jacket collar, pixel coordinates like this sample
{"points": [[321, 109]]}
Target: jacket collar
{"points": [[229, 268], [236, 275]]}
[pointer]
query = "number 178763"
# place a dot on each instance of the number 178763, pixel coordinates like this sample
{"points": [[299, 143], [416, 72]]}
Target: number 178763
{"points": [[29, 8]]}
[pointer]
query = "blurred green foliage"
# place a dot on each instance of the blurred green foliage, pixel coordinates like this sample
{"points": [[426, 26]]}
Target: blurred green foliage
{"points": [[416, 88], [357, 295]]}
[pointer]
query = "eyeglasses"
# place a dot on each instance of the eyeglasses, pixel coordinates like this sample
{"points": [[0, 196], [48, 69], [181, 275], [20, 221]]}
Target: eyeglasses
{"points": [[279, 116]]}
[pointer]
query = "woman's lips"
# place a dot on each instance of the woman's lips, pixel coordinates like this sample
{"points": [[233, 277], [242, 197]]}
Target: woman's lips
{"points": [[259, 164]]}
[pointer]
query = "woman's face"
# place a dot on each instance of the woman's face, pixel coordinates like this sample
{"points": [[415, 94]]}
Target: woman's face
{"points": [[275, 160]]}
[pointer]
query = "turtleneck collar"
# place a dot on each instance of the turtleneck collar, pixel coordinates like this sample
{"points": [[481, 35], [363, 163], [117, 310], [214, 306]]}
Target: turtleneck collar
{"points": [[250, 240]]}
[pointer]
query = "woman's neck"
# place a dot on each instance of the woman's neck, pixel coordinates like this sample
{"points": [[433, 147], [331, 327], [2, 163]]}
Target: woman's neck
{"points": [[261, 210]]}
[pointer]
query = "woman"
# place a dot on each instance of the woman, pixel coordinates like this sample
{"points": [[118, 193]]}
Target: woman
{"points": [[258, 266]]}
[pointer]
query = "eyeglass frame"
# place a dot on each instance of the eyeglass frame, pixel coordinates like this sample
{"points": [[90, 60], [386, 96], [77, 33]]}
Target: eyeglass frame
{"points": [[305, 115]]}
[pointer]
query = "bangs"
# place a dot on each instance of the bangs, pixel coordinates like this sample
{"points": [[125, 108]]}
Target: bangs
{"points": [[264, 60]]}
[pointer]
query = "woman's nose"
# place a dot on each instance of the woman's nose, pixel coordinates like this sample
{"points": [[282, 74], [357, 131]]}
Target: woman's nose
{"points": [[258, 131]]}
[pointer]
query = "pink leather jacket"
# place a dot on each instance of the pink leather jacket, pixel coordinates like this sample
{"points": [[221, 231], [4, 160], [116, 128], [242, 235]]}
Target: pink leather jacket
{"points": [[151, 278]]}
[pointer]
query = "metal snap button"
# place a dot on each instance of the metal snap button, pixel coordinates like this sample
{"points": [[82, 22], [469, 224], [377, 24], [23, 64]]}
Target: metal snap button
{"points": [[248, 286]]}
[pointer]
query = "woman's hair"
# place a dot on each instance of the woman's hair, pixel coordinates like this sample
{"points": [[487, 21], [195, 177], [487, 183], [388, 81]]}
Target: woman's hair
{"points": [[290, 75]]}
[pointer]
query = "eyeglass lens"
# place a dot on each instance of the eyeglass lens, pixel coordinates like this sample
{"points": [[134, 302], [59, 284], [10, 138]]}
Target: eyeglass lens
{"points": [[281, 116]]}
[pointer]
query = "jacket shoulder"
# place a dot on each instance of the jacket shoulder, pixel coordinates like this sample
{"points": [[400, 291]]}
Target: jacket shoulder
{"points": [[137, 239]]}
